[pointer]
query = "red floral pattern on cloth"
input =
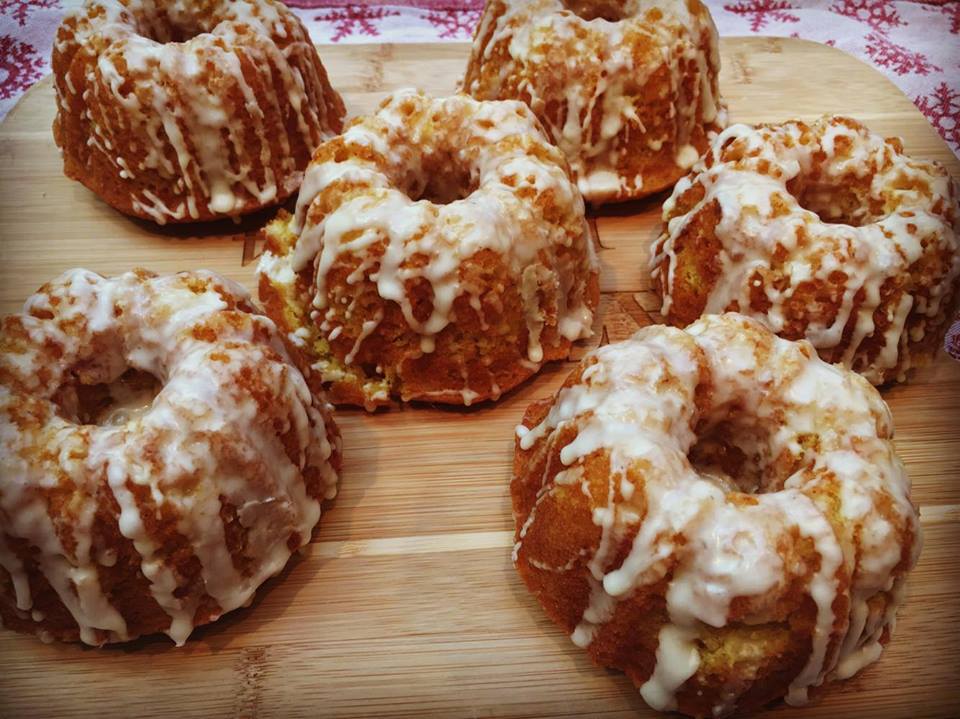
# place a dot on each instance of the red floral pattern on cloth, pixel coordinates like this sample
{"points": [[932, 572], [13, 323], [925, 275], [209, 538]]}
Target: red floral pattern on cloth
{"points": [[952, 341], [760, 12], [352, 19], [901, 60], [952, 10], [20, 67], [881, 15], [390, 21], [913, 43], [942, 108], [27, 28], [20, 10], [454, 24]]}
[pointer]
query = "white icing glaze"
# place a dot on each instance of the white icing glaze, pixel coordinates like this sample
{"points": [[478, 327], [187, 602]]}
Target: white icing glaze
{"points": [[635, 402], [607, 70], [677, 661], [500, 212], [746, 174], [201, 444], [176, 120]]}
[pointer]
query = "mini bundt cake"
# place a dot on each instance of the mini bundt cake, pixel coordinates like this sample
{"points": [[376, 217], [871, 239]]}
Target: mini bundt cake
{"points": [[439, 252], [716, 512], [185, 111], [628, 90], [825, 231], [160, 456]]}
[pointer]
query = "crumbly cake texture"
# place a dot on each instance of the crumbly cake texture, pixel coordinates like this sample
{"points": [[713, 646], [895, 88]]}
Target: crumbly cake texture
{"points": [[184, 111], [439, 252], [718, 513], [825, 231], [160, 513], [628, 90]]}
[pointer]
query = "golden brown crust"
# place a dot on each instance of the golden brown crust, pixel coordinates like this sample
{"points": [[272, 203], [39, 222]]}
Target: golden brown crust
{"points": [[635, 109], [161, 518], [159, 140], [591, 469], [856, 251], [439, 281]]}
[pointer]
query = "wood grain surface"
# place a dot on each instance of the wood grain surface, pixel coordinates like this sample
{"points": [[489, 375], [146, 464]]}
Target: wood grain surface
{"points": [[407, 603]]}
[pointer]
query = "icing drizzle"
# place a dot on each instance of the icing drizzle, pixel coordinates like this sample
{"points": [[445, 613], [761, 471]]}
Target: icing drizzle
{"points": [[363, 204], [844, 490], [210, 126], [894, 254], [590, 79], [205, 445]]}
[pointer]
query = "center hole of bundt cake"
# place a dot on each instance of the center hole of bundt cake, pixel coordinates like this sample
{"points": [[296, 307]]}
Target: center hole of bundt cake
{"points": [[734, 453], [834, 203], [174, 23], [610, 10], [442, 182], [109, 403]]}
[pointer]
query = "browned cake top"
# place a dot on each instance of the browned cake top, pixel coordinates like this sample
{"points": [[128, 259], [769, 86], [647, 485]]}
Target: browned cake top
{"points": [[591, 70], [220, 475], [210, 95], [406, 200], [725, 469], [825, 230]]}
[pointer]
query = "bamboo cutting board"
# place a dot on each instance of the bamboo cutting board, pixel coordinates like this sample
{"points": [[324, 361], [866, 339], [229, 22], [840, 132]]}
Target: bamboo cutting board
{"points": [[407, 603]]}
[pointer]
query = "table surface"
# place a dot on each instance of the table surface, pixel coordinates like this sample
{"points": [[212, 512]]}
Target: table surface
{"points": [[407, 604]]}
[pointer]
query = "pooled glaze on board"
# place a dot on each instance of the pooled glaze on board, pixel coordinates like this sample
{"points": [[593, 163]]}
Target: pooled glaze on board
{"points": [[597, 74], [217, 125], [825, 472], [884, 248], [233, 431]]}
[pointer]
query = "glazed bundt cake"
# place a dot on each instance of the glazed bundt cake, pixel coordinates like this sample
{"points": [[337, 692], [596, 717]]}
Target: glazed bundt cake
{"points": [[184, 111], [628, 90], [439, 252], [824, 231], [160, 456], [716, 512]]}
